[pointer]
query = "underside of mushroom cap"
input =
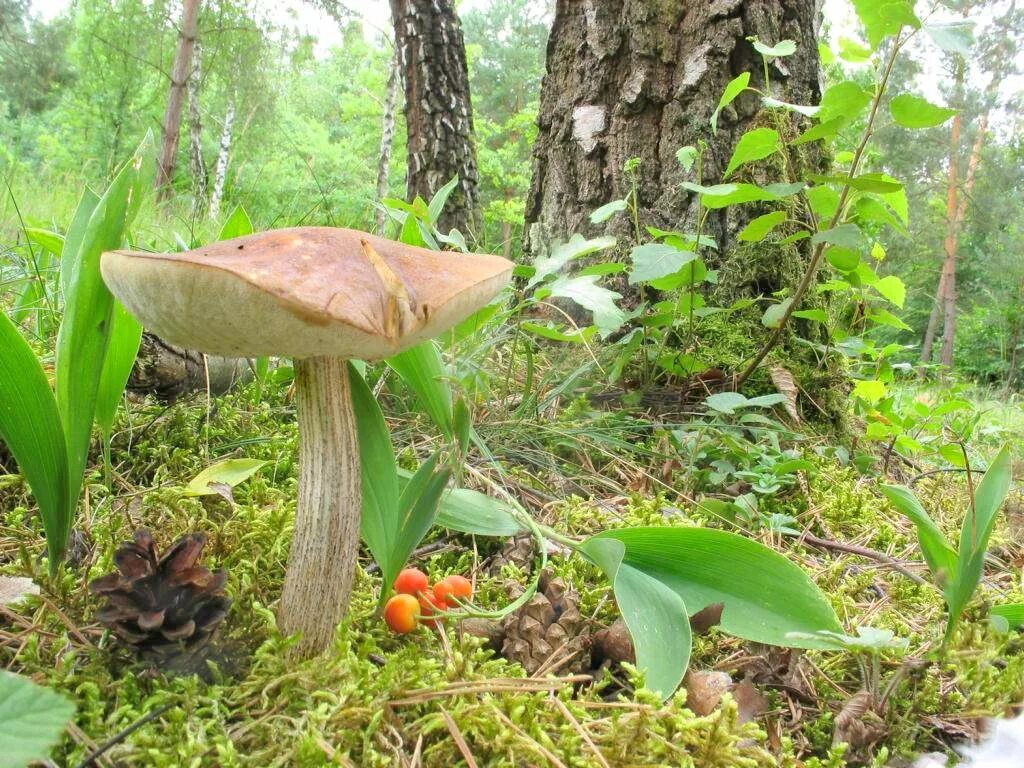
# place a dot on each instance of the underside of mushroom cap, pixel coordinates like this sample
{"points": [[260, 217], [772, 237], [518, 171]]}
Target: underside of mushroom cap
{"points": [[303, 292]]}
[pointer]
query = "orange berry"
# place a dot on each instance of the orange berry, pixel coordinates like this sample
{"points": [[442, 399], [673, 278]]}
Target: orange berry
{"points": [[431, 605], [451, 587], [411, 581], [401, 612]]}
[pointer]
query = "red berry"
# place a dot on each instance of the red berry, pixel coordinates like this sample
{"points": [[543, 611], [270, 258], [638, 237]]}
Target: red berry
{"points": [[401, 612], [430, 605], [411, 581], [451, 587]]}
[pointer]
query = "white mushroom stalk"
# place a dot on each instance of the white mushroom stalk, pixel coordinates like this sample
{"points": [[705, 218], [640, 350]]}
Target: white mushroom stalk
{"points": [[322, 296]]}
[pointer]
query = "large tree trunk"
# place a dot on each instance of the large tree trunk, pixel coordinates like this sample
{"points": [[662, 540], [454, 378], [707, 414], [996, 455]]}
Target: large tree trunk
{"points": [[195, 134], [387, 137], [176, 96], [438, 114], [637, 79]]}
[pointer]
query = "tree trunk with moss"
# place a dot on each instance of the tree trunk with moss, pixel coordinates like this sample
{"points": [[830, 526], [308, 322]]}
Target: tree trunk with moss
{"points": [[640, 79], [438, 114]]}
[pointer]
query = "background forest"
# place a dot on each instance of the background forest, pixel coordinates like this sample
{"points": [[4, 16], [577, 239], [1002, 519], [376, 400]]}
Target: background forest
{"points": [[718, 465]]}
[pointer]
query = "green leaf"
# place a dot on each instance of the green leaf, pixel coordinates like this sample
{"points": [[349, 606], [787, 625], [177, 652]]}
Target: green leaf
{"points": [[417, 508], [735, 87], [1013, 613], [85, 330], [781, 48], [937, 551], [869, 390], [753, 145], [654, 260], [686, 156], [758, 229], [977, 530], [588, 294], [469, 511], [845, 235], [654, 613], [722, 195], [229, 472], [914, 112], [772, 317], [818, 131], [554, 334], [73, 239], [951, 36], [125, 337], [423, 371], [892, 288], [765, 596], [379, 473], [884, 18], [30, 425], [438, 201], [818, 315], [882, 317], [576, 247], [44, 238], [843, 259], [238, 224], [725, 402], [844, 101], [607, 210], [32, 719]]}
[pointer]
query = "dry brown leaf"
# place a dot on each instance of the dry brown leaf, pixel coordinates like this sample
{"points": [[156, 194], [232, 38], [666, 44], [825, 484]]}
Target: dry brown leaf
{"points": [[786, 386], [857, 723], [750, 703], [704, 690]]}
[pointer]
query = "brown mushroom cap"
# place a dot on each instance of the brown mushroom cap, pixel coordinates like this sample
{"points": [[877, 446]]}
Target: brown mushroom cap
{"points": [[303, 292]]}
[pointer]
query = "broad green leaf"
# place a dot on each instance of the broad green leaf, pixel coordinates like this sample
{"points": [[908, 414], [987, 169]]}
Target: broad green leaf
{"points": [[977, 530], [753, 145], [845, 235], [1013, 613], [937, 551], [654, 260], [654, 613], [423, 371], [735, 87], [722, 195], [869, 390], [44, 238], [30, 426], [844, 102], [379, 523], [772, 317], [824, 201], [469, 511], [882, 317], [781, 48], [758, 229], [818, 315], [686, 156], [32, 719], [843, 259], [229, 472], [75, 234], [893, 289], [85, 330], [852, 51], [417, 508], [725, 402], [823, 130], [125, 337], [599, 300], [576, 247], [607, 210], [238, 224], [765, 595], [438, 201], [884, 18], [951, 36], [914, 112]]}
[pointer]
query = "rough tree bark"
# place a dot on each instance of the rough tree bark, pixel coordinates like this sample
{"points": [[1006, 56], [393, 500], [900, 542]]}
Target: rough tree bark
{"points": [[634, 78], [387, 136], [220, 171], [176, 96], [438, 113]]}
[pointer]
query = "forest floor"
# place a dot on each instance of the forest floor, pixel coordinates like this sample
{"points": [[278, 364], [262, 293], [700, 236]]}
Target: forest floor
{"points": [[377, 699]]}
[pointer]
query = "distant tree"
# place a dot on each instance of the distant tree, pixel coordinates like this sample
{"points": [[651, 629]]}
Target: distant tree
{"points": [[438, 113], [180, 73]]}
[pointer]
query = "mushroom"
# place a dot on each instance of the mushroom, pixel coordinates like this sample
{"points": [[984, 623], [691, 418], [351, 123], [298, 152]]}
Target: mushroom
{"points": [[322, 296]]}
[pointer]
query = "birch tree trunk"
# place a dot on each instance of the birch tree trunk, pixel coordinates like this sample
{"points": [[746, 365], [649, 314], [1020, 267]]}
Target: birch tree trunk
{"points": [[220, 171], [438, 113], [387, 136], [195, 124], [176, 97]]}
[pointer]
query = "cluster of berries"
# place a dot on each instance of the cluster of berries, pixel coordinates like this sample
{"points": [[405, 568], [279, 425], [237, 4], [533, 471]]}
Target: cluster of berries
{"points": [[417, 601]]}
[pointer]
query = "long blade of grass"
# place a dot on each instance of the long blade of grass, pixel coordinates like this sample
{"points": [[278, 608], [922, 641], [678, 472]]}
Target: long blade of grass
{"points": [[31, 427]]}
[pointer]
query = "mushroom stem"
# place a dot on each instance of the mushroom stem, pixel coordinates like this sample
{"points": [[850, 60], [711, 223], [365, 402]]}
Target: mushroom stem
{"points": [[321, 565]]}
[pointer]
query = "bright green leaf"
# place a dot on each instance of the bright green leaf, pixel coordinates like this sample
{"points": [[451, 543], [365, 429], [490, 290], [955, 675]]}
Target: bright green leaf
{"points": [[229, 472], [735, 87], [32, 719], [753, 145]]}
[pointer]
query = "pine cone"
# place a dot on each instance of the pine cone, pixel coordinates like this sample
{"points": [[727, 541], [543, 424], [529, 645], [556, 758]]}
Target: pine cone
{"points": [[548, 632], [163, 606]]}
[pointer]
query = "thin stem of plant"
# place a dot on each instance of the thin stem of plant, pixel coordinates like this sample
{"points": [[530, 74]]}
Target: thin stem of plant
{"points": [[819, 249]]}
